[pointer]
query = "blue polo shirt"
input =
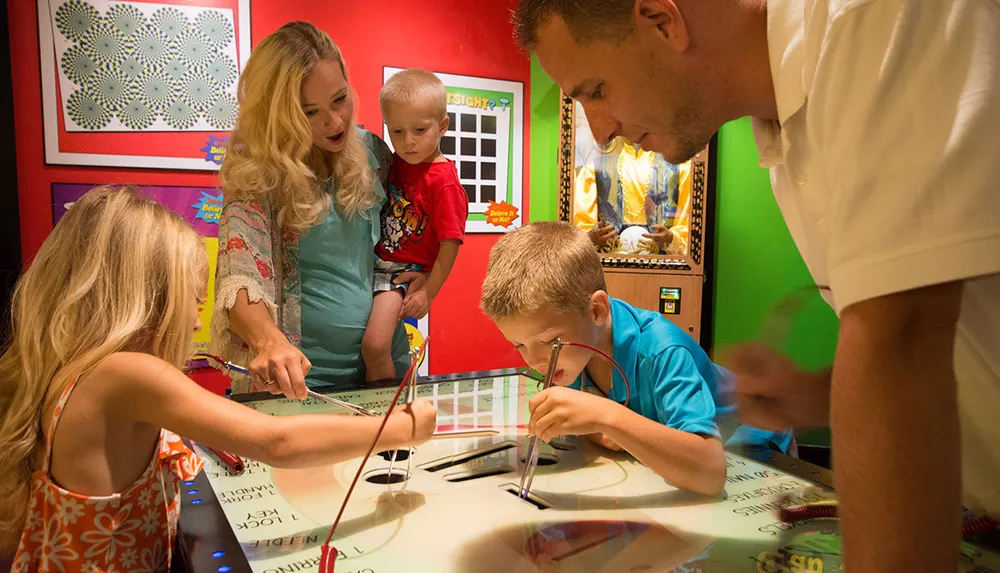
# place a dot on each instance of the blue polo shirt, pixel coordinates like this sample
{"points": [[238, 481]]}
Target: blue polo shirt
{"points": [[672, 380]]}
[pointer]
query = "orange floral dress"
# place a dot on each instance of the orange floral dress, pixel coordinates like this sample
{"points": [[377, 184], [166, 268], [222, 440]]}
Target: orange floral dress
{"points": [[129, 531]]}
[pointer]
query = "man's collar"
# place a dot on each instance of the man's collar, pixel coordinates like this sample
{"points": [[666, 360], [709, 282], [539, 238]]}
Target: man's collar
{"points": [[785, 39]]}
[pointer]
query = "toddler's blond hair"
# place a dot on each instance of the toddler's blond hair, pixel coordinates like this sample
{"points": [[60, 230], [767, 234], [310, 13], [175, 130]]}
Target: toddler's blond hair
{"points": [[412, 86]]}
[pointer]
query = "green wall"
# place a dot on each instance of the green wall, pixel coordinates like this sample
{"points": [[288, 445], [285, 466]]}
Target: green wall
{"points": [[544, 145], [756, 262]]}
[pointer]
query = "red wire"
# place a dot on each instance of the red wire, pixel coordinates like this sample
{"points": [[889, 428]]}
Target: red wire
{"points": [[802, 513], [970, 528], [326, 561], [628, 393], [979, 526]]}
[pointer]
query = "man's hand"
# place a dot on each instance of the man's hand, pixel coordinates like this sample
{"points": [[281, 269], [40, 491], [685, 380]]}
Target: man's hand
{"points": [[602, 234], [561, 411], [772, 393], [659, 239]]}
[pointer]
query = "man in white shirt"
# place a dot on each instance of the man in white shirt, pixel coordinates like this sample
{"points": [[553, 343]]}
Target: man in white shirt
{"points": [[880, 123]]}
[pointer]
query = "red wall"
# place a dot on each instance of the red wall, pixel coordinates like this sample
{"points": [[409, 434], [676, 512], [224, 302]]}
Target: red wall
{"points": [[451, 36]]}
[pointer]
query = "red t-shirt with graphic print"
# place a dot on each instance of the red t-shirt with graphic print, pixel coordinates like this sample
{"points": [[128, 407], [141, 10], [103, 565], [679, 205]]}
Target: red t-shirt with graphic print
{"points": [[425, 204]]}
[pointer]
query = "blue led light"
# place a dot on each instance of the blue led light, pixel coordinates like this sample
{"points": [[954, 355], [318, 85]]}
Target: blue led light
{"points": [[218, 554], [195, 502], [189, 483], [192, 492], [224, 569]]}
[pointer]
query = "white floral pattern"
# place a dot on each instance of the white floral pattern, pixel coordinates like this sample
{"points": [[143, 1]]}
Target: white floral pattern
{"points": [[150, 522], [144, 498], [55, 546], [33, 522], [70, 510], [156, 487], [50, 493], [22, 563], [70, 533], [110, 533], [130, 557], [153, 558]]}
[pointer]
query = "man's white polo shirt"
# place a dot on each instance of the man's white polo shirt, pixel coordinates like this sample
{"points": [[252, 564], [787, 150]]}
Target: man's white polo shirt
{"points": [[885, 162]]}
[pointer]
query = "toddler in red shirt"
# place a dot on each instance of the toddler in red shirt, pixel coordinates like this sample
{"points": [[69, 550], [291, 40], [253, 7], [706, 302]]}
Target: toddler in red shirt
{"points": [[423, 220]]}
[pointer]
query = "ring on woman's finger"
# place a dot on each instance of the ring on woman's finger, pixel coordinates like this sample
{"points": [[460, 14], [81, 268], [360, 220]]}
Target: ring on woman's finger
{"points": [[268, 382]]}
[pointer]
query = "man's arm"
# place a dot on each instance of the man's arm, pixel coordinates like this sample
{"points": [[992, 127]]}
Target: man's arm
{"points": [[894, 415]]}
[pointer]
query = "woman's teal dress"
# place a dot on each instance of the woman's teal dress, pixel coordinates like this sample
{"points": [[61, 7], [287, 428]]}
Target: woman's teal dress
{"points": [[337, 261]]}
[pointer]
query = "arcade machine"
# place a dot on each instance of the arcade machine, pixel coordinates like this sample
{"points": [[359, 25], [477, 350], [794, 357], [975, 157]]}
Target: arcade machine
{"points": [[620, 193], [461, 501]]}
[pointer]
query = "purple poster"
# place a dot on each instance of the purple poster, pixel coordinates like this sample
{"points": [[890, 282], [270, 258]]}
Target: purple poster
{"points": [[200, 206]]}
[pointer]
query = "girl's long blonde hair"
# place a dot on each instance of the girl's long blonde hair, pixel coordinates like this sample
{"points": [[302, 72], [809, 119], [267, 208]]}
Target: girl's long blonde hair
{"points": [[118, 273], [271, 152]]}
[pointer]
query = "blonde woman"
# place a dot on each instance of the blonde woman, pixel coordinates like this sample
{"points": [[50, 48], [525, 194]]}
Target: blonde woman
{"points": [[91, 395], [304, 187]]}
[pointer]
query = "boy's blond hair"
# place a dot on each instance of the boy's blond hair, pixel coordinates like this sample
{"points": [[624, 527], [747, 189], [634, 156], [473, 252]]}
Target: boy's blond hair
{"points": [[414, 85], [550, 265], [118, 273]]}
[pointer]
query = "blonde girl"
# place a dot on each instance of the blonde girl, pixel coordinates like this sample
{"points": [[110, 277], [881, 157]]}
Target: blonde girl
{"points": [[304, 187], [91, 395]]}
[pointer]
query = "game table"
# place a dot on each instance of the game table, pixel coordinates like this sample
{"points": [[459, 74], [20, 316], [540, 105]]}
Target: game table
{"points": [[453, 505]]}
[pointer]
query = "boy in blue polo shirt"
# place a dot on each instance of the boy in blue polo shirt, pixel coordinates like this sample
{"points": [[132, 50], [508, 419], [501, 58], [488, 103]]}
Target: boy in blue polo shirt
{"points": [[545, 282]]}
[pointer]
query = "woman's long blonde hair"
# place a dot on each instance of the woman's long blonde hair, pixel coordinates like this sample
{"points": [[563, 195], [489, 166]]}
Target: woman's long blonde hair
{"points": [[271, 151], [118, 273]]}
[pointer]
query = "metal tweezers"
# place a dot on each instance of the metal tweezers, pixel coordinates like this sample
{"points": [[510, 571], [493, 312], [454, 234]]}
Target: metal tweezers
{"points": [[531, 457], [226, 365], [411, 393], [345, 405]]}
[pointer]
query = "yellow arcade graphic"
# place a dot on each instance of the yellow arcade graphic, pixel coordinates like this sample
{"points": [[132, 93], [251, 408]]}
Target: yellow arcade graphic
{"points": [[201, 338], [416, 339]]}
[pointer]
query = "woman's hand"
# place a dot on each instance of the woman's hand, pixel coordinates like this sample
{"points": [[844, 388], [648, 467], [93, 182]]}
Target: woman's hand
{"points": [[280, 368]]}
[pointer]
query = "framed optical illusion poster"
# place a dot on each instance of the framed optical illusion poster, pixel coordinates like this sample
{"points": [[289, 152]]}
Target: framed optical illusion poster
{"points": [[141, 84]]}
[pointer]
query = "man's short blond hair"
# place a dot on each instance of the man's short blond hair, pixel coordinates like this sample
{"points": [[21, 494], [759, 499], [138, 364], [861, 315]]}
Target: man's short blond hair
{"points": [[412, 86], [550, 266]]}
